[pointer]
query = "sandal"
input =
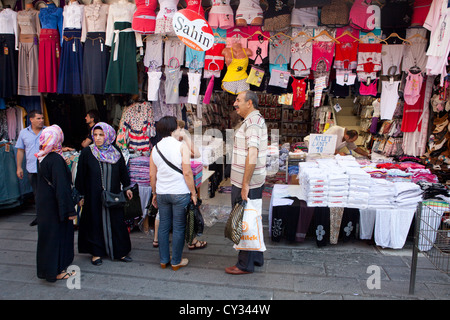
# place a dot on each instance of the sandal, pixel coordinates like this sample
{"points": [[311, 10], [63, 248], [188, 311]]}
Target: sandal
{"points": [[155, 244], [197, 245], [66, 275]]}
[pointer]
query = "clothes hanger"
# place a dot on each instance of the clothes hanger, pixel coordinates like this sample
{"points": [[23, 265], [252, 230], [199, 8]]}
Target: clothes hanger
{"points": [[301, 33], [396, 35], [417, 35], [374, 36], [259, 32], [324, 33], [347, 33]]}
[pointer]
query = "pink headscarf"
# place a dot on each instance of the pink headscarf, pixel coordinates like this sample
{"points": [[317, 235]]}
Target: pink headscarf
{"points": [[50, 140]]}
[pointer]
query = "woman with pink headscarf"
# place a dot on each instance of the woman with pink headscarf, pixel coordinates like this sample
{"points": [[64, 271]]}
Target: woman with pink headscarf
{"points": [[55, 208], [102, 231]]}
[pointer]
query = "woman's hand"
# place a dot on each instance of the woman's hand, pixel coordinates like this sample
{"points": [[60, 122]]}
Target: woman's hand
{"points": [[194, 198], [154, 202], [129, 194]]}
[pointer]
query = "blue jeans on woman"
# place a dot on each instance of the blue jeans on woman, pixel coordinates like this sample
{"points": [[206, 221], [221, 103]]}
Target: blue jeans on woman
{"points": [[172, 215]]}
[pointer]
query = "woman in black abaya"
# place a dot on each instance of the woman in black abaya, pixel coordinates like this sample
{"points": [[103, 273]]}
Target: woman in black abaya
{"points": [[102, 231], [55, 208]]}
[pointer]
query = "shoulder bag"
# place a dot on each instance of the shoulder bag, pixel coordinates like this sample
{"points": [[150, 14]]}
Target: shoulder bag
{"points": [[111, 199], [170, 164]]}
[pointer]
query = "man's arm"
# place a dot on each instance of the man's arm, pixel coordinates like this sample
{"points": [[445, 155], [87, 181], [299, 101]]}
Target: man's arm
{"points": [[250, 164], [19, 161], [362, 152]]}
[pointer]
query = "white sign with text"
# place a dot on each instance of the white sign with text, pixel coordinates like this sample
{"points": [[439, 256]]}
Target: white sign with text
{"points": [[322, 143]]}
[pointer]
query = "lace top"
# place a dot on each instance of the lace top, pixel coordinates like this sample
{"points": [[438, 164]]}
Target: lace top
{"points": [[95, 17]]}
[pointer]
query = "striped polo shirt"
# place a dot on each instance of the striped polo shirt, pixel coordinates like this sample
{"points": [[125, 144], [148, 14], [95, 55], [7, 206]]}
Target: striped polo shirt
{"points": [[251, 133]]}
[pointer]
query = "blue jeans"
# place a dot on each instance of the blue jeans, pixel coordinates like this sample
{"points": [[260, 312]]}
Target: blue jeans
{"points": [[172, 215]]}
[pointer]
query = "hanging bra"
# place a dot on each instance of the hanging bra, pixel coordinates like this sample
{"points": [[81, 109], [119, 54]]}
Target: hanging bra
{"points": [[369, 90]]}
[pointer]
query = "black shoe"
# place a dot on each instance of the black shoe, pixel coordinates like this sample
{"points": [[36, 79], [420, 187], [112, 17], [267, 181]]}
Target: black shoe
{"points": [[97, 262], [33, 223], [126, 259]]}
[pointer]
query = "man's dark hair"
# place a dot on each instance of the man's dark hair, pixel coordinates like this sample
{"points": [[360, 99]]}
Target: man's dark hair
{"points": [[352, 133], [166, 125], [250, 95], [94, 114], [33, 113]]}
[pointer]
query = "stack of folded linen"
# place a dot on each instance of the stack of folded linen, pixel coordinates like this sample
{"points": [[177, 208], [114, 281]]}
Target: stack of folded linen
{"points": [[397, 175], [347, 161], [376, 173], [359, 188], [381, 194], [139, 170], [407, 194], [315, 186], [338, 188]]}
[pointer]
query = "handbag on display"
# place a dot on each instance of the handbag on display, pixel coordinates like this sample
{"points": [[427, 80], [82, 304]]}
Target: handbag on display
{"points": [[233, 228]]}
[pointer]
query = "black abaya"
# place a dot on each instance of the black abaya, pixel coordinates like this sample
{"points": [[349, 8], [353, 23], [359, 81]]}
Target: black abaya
{"points": [[54, 205], [102, 231]]}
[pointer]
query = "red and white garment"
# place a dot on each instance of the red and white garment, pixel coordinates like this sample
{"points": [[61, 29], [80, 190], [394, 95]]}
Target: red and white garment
{"points": [[369, 60]]}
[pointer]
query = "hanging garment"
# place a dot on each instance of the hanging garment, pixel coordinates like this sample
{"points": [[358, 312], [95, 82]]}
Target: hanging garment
{"points": [[194, 87], [95, 54], [154, 80], [167, 9], [29, 28], [277, 17], [346, 55], [319, 85], [389, 99], [234, 80], [249, 10], [412, 112], [301, 52], [122, 74], [153, 57], [391, 58], [299, 92], [50, 41], [322, 52], [305, 17], [144, 19], [195, 59], [368, 90], [335, 223], [8, 53], [136, 127], [71, 64], [174, 50], [413, 85], [369, 60], [221, 15], [171, 85]]}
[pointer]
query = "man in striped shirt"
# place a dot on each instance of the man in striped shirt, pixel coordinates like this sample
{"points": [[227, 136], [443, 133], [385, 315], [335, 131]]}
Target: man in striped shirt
{"points": [[248, 167]]}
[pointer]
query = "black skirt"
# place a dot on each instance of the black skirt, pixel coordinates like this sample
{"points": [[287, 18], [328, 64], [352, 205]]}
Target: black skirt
{"points": [[8, 66], [95, 63]]}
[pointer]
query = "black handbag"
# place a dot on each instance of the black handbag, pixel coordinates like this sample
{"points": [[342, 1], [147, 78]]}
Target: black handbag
{"points": [[194, 221], [111, 199], [133, 207]]}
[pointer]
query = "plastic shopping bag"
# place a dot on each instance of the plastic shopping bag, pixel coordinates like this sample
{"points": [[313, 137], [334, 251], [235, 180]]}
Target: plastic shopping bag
{"points": [[252, 238]]}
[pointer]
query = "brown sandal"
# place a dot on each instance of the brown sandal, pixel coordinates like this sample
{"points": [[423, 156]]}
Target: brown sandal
{"points": [[197, 245]]}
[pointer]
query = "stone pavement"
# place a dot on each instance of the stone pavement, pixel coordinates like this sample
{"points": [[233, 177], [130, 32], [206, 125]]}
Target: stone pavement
{"points": [[291, 271]]}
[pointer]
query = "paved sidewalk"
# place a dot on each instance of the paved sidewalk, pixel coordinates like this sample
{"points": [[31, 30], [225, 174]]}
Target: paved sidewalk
{"points": [[290, 272]]}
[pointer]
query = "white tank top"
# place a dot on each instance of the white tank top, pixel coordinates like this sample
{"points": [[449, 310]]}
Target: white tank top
{"points": [[169, 181]]}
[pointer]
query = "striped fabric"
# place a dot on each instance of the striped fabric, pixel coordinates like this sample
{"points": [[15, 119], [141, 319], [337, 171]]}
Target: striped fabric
{"points": [[252, 133]]}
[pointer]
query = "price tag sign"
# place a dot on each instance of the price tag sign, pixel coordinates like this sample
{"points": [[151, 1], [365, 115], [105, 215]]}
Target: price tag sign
{"points": [[322, 143]]}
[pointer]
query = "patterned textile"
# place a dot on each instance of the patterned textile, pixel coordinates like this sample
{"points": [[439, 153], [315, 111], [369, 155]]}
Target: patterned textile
{"points": [[50, 140], [107, 152]]}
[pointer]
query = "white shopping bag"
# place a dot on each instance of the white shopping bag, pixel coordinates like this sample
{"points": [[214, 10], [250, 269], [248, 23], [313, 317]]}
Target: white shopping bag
{"points": [[252, 238]]}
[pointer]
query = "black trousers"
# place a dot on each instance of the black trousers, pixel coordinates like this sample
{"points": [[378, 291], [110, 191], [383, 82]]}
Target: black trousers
{"points": [[247, 260]]}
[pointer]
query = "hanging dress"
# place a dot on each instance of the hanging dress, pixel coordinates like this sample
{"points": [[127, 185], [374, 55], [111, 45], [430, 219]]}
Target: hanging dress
{"points": [[71, 66], [29, 28], [51, 19], [96, 55], [122, 71], [8, 53]]}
